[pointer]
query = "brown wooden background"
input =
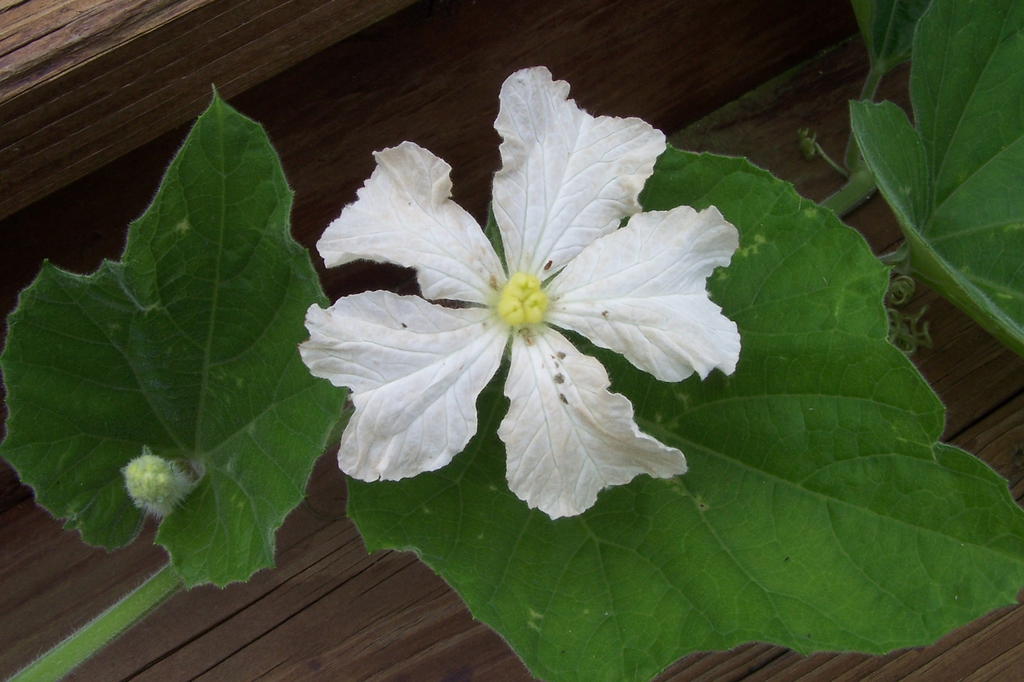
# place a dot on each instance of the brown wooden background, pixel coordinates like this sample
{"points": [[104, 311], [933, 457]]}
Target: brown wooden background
{"points": [[431, 74]]}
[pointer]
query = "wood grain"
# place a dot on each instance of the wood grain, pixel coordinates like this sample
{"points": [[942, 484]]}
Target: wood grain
{"points": [[431, 74], [82, 82]]}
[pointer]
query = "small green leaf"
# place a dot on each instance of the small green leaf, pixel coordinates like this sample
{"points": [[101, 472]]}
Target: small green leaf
{"points": [[819, 512], [187, 346], [888, 29], [967, 87]]}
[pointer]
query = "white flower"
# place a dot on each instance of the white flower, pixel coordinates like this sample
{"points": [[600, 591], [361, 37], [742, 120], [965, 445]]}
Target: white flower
{"points": [[415, 368]]}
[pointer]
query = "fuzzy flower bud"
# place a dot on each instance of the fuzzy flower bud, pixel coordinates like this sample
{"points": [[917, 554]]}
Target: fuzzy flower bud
{"points": [[155, 484]]}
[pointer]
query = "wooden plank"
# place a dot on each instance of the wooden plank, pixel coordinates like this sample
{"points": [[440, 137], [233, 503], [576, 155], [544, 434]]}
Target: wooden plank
{"points": [[82, 82], [329, 611], [445, 62], [326, 126], [53, 584], [437, 86]]}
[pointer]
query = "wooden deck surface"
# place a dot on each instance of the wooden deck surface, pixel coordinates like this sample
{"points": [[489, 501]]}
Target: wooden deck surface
{"points": [[84, 81], [431, 74]]}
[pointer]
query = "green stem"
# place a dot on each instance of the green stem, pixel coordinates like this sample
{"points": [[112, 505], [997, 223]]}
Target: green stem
{"points": [[835, 166], [64, 657], [860, 184], [858, 189], [899, 259]]}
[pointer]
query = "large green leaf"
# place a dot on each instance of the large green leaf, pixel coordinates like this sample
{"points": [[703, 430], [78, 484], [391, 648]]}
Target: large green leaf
{"points": [[888, 29], [963, 165], [186, 346], [818, 513]]}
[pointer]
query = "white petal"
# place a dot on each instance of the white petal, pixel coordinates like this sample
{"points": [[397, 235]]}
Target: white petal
{"points": [[566, 177], [404, 214], [641, 291], [566, 435], [415, 370]]}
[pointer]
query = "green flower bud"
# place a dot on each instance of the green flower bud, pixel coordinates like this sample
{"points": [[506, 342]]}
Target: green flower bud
{"points": [[808, 146], [155, 484]]}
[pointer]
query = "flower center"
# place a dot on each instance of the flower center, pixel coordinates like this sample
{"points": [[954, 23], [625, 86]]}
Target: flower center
{"points": [[522, 301]]}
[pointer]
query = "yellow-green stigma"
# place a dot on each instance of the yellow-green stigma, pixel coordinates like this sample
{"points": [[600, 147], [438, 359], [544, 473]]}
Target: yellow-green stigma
{"points": [[522, 301]]}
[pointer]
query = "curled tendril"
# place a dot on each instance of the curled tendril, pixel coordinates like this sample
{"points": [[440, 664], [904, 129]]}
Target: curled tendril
{"points": [[908, 332], [901, 288]]}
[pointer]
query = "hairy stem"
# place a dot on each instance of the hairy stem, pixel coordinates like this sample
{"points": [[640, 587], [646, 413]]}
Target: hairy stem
{"points": [[835, 166], [67, 655], [858, 189], [860, 185]]}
